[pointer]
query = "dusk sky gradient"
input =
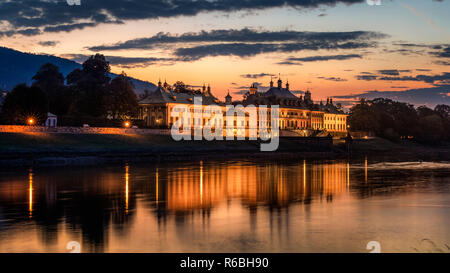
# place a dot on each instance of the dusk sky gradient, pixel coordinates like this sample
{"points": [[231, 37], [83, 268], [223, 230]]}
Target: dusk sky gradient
{"points": [[332, 50]]}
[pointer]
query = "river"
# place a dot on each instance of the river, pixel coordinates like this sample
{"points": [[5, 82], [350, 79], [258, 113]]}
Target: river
{"points": [[234, 206]]}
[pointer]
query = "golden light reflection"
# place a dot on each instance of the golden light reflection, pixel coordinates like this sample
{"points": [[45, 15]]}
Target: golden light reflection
{"points": [[304, 176], [365, 170], [126, 187], [348, 175], [201, 182], [272, 184], [30, 193], [157, 185]]}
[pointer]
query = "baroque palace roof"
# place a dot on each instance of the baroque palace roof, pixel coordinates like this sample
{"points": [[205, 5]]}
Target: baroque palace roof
{"points": [[163, 95], [273, 96], [277, 95]]}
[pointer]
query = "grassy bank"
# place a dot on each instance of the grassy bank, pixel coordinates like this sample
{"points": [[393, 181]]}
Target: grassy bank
{"points": [[385, 150], [55, 149]]}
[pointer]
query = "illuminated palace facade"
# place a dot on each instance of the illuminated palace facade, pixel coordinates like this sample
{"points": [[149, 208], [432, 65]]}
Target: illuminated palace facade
{"points": [[298, 114]]}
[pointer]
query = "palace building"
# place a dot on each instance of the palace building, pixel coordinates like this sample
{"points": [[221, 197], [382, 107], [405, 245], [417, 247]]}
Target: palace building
{"points": [[298, 114]]}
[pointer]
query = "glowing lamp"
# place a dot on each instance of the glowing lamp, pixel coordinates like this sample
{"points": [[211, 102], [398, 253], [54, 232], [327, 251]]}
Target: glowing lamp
{"points": [[30, 121], [127, 124]]}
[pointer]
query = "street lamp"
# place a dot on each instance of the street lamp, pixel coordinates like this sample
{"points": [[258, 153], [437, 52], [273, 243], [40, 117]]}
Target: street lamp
{"points": [[30, 121], [126, 124]]}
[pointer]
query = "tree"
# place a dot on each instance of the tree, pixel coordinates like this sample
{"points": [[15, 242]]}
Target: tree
{"points": [[424, 111], [89, 87], [363, 117], [120, 100], [431, 128], [179, 86], [51, 81], [443, 111], [25, 102], [391, 119]]}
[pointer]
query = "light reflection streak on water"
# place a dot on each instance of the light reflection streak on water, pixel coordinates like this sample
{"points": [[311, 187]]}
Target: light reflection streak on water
{"points": [[30, 193], [220, 196]]}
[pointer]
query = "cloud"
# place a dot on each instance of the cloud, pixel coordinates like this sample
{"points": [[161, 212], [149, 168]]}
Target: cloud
{"points": [[23, 31], [59, 16], [392, 72], [301, 41], [243, 89], [439, 51], [68, 27], [444, 51], [399, 87], [247, 42], [49, 43], [263, 40], [325, 58], [124, 62], [443, 78], [288, 63], [256, 76], [335, 79], [366, 77], [442, 62], [298, 61], [422, 96], [297, 92]]}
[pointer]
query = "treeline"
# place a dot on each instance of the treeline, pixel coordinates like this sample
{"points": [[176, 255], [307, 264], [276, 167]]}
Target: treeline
{"points": [[85, 94], [396, 120]]}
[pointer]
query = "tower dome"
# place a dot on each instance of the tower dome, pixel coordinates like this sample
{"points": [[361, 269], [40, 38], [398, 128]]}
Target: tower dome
{"points": [[253, 89], [228, 98]]}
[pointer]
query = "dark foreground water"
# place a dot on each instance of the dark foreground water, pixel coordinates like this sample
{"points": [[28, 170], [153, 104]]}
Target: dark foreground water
{"points": [[238, 206]]}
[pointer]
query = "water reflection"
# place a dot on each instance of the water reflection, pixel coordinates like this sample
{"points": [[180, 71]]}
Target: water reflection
{"points": [[30, 189], [216, 206], [126, 187]]}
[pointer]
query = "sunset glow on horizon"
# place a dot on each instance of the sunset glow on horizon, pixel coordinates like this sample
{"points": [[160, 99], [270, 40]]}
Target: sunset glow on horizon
{"points": [[403, 45]]}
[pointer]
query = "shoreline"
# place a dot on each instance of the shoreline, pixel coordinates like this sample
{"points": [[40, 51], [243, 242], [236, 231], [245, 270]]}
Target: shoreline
{"points": [[18, 150]]}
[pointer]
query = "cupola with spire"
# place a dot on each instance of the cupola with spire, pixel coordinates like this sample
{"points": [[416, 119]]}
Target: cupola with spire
{"points": [[308, 96], [271, 82], [279, 82], [253, 89], [287, 85], [228, 99]]}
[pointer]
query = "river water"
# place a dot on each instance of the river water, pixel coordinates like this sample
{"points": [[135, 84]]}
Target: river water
{"points": [[234, 206]]}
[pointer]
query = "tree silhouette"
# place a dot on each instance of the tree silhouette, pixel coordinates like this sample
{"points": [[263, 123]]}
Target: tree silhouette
{"points": [[120, 99], [51, 81], [89, 87], [25, 102], [393, 120]]}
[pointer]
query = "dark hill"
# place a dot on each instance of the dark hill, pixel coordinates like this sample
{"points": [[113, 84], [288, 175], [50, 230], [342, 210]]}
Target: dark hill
{"points": [[19, 67]]}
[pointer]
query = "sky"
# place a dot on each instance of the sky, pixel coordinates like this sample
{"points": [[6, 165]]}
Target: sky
{"points": [[334, 48]]}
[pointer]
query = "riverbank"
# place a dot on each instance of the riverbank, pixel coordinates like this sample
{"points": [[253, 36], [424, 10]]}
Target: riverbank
{"points": [[27, 149]]}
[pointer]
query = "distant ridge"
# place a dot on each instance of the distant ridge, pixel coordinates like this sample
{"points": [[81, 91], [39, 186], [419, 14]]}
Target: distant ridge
{"points": [[19, 67]]}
